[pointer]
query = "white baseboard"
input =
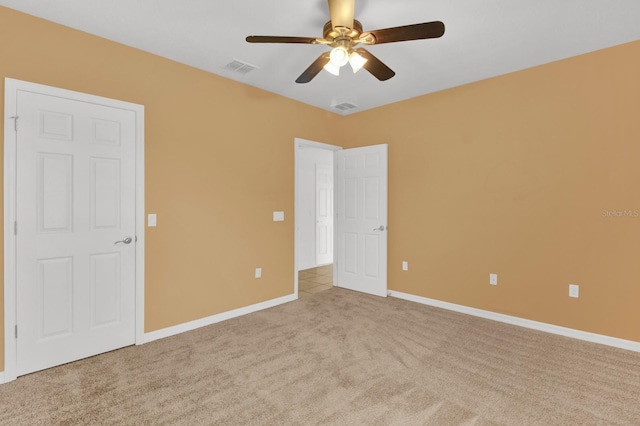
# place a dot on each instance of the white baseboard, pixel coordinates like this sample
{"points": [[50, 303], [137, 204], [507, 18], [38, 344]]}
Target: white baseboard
{"points": [[535, 325], [1, 377], [192, 325]]}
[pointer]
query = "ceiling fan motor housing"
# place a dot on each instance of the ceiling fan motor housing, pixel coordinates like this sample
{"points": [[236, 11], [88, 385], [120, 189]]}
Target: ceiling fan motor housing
{"points": [[332, 34]]}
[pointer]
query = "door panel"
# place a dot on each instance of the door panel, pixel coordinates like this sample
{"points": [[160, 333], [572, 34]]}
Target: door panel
{"points": [[55, 285], [371, 198], [76, 197], [105, 193], [371, 261], [105, 286], [54, 192], [324, 214], [361, 207]]}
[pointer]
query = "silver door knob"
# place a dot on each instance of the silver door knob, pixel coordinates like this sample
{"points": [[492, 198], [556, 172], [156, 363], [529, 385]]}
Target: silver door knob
{"points": [[127, 240], [380, 228]]}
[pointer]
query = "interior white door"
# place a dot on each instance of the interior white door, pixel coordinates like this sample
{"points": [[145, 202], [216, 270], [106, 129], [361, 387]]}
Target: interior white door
{"points": [[324, 214], [76, 230], [361, 207]]}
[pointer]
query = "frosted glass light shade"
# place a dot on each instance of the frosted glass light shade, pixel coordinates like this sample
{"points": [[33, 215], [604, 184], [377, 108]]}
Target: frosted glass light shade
{"points": [[332, 68], [357, 61], [339, 56]]}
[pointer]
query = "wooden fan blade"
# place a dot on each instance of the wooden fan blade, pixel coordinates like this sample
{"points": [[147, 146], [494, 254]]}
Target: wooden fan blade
{"points": [[423, 31], [341, 12], [276, 39], [314, 68], [375, 66]]}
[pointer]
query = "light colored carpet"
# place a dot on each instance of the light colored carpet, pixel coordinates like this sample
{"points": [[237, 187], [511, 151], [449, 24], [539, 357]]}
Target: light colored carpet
{"points": [[343, 358]]}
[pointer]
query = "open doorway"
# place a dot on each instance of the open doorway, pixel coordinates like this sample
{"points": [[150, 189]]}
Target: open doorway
{"points": [[314, 215], [359, 255]]}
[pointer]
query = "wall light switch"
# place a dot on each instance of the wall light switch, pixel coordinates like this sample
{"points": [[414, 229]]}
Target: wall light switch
{"points": [[574, 290], [151, 220], [493, 279], [405, 266], [278, 216], [258, 272]]}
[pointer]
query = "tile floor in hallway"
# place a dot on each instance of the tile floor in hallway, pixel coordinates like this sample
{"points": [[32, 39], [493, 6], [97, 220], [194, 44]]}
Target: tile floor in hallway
{"points": [[314, 280]]}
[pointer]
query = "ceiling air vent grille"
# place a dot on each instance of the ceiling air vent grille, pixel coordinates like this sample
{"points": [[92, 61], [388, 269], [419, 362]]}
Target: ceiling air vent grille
{"points": [[345, 106], [240, 67]]}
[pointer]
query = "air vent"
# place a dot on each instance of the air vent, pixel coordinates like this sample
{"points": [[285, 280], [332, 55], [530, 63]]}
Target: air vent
{"points": [[345, 106], [240, 67]]}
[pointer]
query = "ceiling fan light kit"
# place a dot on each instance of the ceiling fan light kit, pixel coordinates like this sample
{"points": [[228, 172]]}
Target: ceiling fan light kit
{"points": [[356, 61], [332, 68], [339, 56], [343, 33]]}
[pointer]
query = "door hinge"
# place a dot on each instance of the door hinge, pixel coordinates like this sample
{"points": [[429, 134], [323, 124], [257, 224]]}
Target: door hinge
{"points": [[16, 331], [15, 227], [15, 122]]}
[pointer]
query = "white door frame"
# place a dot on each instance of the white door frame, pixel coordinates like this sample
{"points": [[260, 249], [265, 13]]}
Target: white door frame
{"points": [[12, 87], [298, 145]]}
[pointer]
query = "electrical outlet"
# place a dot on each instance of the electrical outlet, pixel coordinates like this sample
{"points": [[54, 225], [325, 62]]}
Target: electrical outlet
{"points": [[493, 279], [574, 290], [258, 272], [405, 266]]}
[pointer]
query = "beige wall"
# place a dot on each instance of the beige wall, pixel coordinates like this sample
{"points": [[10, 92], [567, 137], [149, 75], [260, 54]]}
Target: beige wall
{"points": [[508, 175], [219, 161]]}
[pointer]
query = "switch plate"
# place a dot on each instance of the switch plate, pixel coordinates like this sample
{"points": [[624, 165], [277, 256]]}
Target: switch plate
{"points": [[405, 265], [151, 220], [493, 279], [258, 272], [278, 216], [574, 290]]}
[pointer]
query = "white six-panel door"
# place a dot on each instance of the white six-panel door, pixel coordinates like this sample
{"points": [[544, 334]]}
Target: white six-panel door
{"points": [[324, 214], [361, 207], [75, 199]]}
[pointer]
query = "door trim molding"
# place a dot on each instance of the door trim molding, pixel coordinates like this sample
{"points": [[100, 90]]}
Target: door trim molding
{"points": [[299, 144], [11, 88]]}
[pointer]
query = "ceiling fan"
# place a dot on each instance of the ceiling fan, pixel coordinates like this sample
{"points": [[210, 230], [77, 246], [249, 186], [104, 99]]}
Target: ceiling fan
{"points": [[343, 33]]}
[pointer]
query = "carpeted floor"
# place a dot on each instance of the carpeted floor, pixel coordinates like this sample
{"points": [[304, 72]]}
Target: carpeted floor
{"points": [[341, 358]]}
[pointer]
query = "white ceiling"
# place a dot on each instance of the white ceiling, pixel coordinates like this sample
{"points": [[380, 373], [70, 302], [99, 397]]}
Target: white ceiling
{"points": [[483, 38]]}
